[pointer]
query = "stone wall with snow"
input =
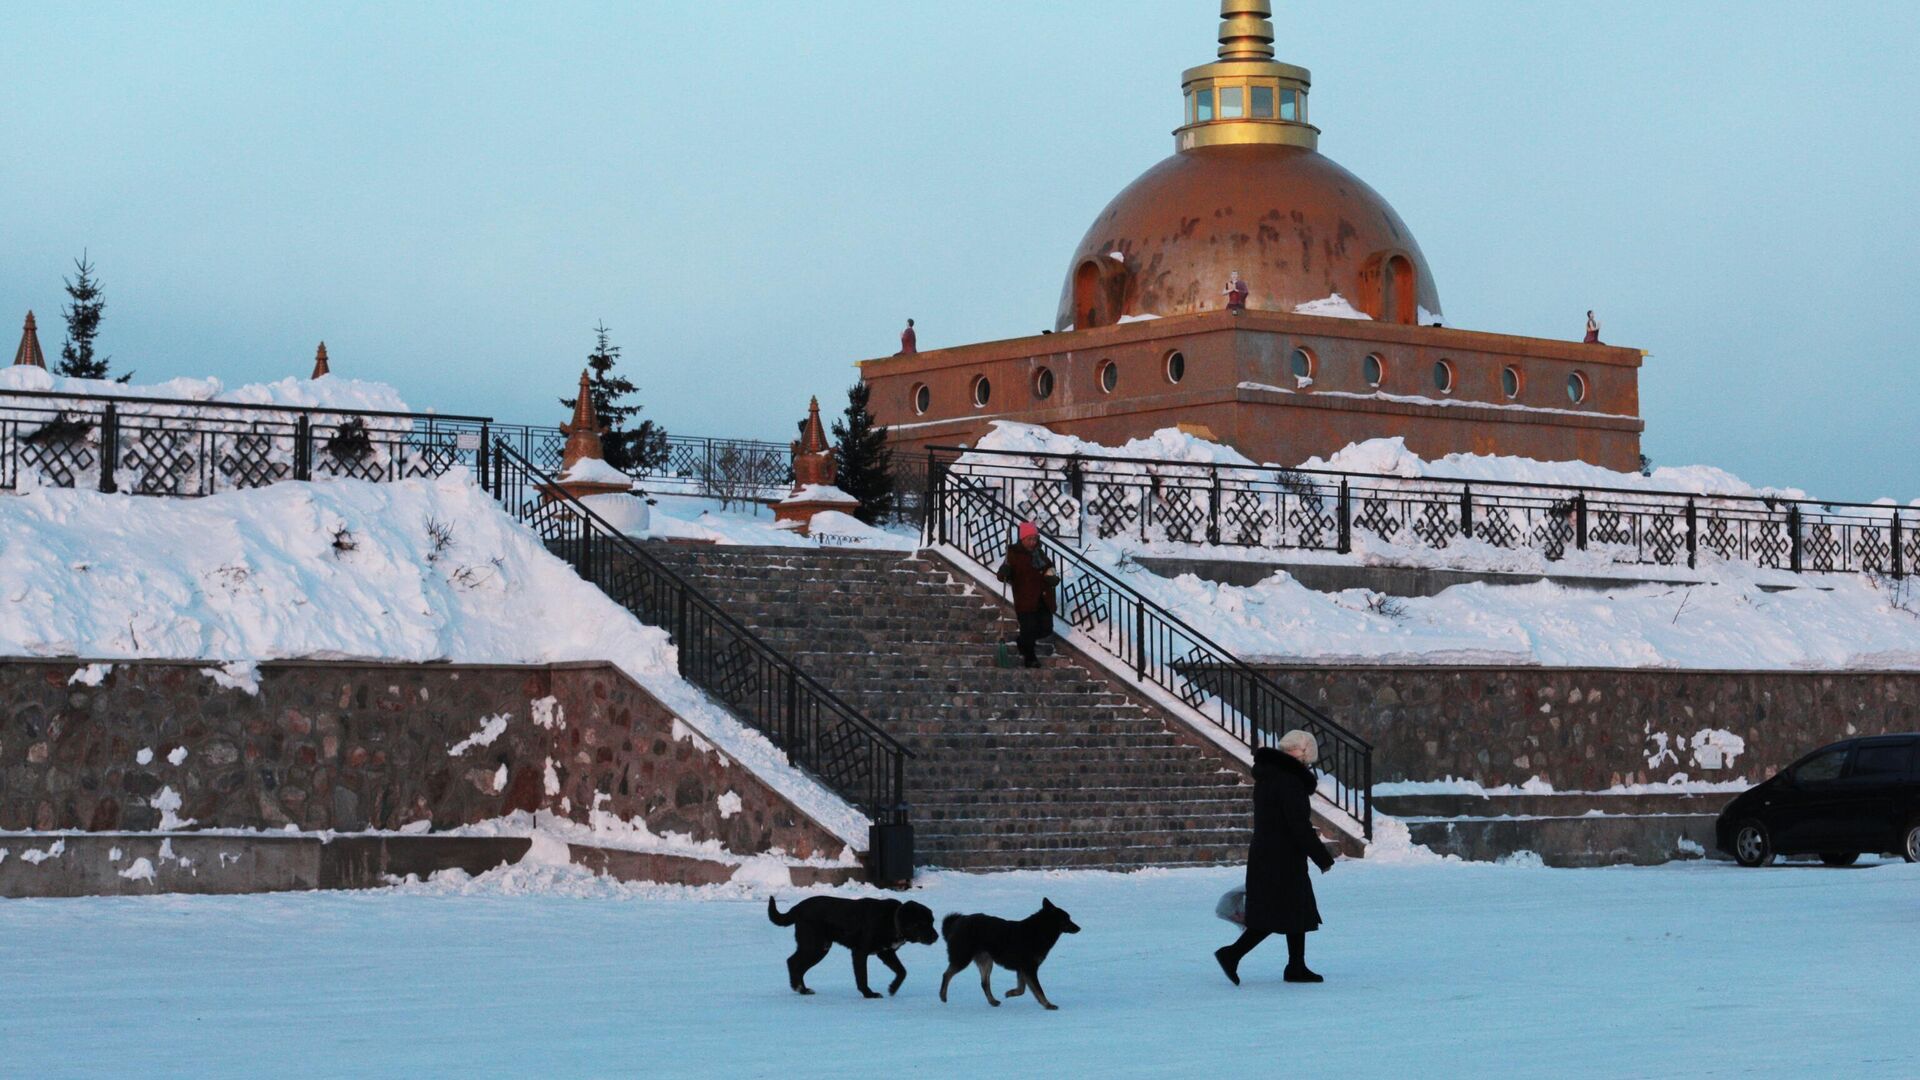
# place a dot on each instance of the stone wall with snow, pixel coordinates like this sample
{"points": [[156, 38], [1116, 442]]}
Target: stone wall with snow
{"points": [[353, 746]]}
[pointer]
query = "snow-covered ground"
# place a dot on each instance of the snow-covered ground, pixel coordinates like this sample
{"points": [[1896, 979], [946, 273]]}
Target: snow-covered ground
{"points": [[1723, 616], [1688, 970], [694, 517]]}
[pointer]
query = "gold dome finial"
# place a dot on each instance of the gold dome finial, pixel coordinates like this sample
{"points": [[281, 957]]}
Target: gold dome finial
{"points": [[1246, 96], [1246, 30]]}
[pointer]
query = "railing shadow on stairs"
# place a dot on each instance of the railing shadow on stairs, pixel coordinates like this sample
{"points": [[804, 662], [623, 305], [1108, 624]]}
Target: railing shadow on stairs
{"points": [[822, 734], [963, 516]]}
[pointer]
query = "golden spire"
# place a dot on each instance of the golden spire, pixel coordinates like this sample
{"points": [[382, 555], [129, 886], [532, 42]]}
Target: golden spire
{"points": [[1246, 32], [29, 354], [1246, 96], [320, 362]]}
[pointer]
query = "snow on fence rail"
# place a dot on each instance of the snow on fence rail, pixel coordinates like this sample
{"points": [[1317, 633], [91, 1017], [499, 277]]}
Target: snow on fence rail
{"points": [[692, 464], [1083, 497], [170, 446]]}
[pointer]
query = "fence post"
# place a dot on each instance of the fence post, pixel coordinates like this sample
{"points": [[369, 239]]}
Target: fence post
{"points": [[1693, 534], [1899, 560], [1793, 537], [109, 447], [1139, 640], [1213, 507], [1466, 511], [302, 448], [1346, 518], [481, 458], [1580, 521]]}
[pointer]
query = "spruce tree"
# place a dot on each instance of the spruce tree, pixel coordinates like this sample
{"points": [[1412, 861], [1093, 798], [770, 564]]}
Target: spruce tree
{"points": [[83, 324], [640, 449], [865, 463]]}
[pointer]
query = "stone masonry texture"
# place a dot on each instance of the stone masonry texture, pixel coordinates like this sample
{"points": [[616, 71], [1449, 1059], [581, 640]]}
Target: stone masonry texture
{"points": [[354, 746], [1588, 729]]}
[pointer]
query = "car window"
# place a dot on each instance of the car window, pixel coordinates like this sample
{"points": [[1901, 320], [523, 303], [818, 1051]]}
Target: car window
{"points": [[1887, 761], [1820, 767]]}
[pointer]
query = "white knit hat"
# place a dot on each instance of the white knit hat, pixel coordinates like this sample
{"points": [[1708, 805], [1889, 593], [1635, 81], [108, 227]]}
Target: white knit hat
{"points": [[1301, 740]]}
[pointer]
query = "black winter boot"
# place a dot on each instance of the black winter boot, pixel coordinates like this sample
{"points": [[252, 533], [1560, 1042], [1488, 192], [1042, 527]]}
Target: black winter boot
{"points": [[1297, 970], [1229, 963]]}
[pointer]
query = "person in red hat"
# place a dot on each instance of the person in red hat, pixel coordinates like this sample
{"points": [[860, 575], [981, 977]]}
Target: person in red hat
{"points": [[1031, 574]]}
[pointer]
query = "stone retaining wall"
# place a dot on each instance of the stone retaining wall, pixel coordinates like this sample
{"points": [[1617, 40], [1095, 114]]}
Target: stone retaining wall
{"points": [[1596, 728], [353, 746]]}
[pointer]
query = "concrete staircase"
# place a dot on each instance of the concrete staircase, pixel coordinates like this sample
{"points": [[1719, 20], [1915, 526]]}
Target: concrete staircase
{"points": [[1061, 766]]}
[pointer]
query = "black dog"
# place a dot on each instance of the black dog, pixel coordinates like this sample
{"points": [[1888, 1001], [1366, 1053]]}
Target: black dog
{"points": [[868, 927], [1020, 947]]}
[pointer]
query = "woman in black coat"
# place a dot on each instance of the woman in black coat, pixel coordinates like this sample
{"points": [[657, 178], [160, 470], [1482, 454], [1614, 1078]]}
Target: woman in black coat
{"points": [[1279, 893]]}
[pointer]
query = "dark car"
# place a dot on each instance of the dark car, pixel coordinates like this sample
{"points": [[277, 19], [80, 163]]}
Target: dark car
{"points": [[1861, 796]]}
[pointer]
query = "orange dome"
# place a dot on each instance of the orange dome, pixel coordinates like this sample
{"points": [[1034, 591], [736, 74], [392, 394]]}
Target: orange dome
{"points": [[1247, 192], [1294, 225]]}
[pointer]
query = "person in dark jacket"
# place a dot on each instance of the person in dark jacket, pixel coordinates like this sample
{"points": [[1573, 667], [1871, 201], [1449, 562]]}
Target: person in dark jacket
{"points": [[1031, 574], [1279, 893]]}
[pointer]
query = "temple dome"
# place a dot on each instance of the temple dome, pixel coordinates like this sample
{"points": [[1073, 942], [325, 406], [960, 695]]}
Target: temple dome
{"points": [[1247, 191]]}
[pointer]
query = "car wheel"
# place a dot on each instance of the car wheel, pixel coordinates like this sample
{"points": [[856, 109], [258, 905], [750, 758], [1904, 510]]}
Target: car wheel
{"points": [[1910, 844], [1752, 846], [1839, 858]]}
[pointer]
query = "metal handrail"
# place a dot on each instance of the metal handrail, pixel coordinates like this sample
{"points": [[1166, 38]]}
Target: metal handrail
{"points": [[1256, 506], [1285, 471], [818, 731], [1161, 648]]}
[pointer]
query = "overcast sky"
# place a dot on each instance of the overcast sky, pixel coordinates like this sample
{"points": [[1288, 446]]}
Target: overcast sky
{"points": [[754, 195]]}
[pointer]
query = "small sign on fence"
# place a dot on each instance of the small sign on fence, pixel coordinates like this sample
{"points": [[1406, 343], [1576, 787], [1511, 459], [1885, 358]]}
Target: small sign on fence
{"points": [[467, 440]]}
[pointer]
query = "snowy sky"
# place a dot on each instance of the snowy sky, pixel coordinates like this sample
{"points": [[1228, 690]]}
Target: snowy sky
{"points": [[754, 197]]}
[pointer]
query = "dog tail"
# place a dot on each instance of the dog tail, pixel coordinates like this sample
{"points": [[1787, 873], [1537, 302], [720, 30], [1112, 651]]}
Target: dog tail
{"points": [[773, 914], [946, 925]]}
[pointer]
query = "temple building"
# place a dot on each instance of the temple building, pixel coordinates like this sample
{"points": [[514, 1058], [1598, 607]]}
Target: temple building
{"points": [[1249, 290]]}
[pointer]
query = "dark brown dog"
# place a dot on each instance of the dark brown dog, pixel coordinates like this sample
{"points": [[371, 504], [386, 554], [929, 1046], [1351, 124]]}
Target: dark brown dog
{"points": [[1021, 947], [866, 927]]}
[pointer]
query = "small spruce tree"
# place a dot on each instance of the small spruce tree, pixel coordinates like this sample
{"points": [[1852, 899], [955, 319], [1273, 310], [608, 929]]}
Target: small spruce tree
{"points": [[865, 463], [639, 449], [83, 324]]}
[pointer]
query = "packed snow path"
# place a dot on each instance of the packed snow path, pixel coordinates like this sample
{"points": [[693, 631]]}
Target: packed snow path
{"points": [[1433, 970]]}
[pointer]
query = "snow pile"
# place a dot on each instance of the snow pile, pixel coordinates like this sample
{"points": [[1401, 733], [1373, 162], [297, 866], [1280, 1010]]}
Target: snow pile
{"points": [[1332, 307], [708, 520], [595, 471], [1852, 622], [1390, 457], [1168, 444], [416, 571], [331, 392]]}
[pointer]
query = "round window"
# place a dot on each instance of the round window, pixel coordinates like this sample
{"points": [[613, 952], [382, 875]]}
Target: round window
{"points": [[1043, 383], [1376, 372], [1576, 388], [1443, 377], [1176, 366], [1302, 364], [1510, 381], [1109, 376], [922, 399], [982, 391]]}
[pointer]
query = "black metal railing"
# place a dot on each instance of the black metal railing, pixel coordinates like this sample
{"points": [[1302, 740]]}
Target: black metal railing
{"points": [[818, 731], [966, 516], [1081, 498], [164, 446], [743, 468]]}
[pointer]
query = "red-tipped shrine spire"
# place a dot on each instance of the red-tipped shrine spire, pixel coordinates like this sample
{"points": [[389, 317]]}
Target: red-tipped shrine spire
{"points": [[320, 362], [29, 354]]}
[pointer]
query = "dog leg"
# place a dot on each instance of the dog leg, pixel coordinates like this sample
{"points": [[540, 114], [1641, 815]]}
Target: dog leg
{"points": [[899, 970], [985, 964], [1039, 995], [860, 975], [953, 969], [1019, 986], [806, 953]]}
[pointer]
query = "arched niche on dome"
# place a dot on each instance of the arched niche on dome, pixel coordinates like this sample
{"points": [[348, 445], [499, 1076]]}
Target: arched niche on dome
{"points": [[1390, 288], [1099, 289]]}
